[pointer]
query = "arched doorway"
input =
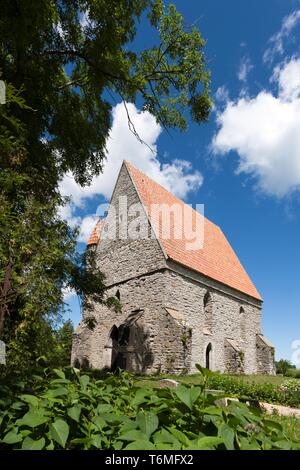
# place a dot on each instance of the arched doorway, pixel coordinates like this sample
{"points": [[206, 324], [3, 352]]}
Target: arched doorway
{"points": [[208, 355], [111, 349]]}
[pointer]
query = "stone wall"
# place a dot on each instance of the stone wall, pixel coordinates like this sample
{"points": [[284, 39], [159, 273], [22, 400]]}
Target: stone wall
{"points": [[158, 342], [186, 293], [265, 356], [120, 257], [170, 345]]}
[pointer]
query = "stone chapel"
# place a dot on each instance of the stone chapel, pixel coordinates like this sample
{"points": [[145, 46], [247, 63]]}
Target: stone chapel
{"points": [[180, 306]]}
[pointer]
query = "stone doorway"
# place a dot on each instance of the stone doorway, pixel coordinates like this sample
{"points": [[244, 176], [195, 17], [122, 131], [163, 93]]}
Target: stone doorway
{"points": [[111, 349]]}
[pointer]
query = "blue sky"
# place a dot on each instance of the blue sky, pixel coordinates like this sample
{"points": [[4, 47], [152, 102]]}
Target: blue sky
{"points": [[244, 165]]}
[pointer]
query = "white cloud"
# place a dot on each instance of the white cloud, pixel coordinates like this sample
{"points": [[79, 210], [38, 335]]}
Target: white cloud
{"points": [[222, 94], [264, 131], [68, 293], [66, 212], [288, 77], [244, 69], [276, 42], [86, 227], [177, 176]]}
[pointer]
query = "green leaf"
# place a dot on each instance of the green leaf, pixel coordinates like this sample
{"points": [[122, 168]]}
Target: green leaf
{"points": [[33, 419], [272, 424], [164, 436], [140, 397], [60, 432], [74, 412], [205, 372], [17, 405], [50, 446], [227, 434], [56, 392], [207, 443], [212, 410], [84, 380], [133, 435], [30, 444], [180, 436], [99, 422], [12, 437], [183, 393], [96, 440], [104, 408], [59, 373], [30, 399], [245, 444], [147, 422], [187, 395], [140, 445], [285, 445], [195, 392], [117, 445]]}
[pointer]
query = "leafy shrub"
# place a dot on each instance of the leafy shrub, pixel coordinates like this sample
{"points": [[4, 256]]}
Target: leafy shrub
{"points": [[68, 410], [283, 365], [286, 394], [294, 373]]}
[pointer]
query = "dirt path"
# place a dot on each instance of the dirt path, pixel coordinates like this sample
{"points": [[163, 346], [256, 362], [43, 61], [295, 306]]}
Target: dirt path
{"points": [[281, 410]]}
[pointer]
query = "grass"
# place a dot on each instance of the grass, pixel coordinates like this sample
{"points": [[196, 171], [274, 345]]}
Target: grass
{"points": [[195, 379], [290, 424]]}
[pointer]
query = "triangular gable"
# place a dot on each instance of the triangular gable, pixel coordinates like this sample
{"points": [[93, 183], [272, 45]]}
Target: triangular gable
{"points": [[120, 255], [216, 259]]}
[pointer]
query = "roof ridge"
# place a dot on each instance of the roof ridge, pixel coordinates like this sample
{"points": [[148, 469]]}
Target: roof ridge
{"points": [[130, 166]]}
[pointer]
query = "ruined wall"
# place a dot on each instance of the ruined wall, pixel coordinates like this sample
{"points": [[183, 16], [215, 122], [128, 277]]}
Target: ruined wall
{"points": [[265, 357], [160, 343]]}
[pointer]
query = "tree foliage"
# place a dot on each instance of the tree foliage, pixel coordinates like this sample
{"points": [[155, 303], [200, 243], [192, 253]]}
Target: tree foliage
{"points": [[283, 366], [65, 62]]}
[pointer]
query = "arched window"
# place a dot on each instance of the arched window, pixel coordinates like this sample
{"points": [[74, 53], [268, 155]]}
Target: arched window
{"points": [[208, 354], [207, 303], [242, 324]]}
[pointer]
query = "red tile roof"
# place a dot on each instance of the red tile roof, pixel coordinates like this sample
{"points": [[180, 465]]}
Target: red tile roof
{"points": [[216, 259], [95, 235]]}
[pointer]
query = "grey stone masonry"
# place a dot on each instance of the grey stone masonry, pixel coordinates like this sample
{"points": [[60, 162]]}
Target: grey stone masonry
{"points": [[172, 317]]}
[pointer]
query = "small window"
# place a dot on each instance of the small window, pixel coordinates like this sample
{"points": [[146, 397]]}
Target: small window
{"points": [[242, 324]]}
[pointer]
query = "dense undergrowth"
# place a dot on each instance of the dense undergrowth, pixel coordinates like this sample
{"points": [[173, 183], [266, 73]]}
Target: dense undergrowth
{"points": [[66, 409]]}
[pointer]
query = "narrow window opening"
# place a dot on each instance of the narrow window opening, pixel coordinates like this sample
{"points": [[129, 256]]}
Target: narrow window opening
{"points": [[208, 356]]}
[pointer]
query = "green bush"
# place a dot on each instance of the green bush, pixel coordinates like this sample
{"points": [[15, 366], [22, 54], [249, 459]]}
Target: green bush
{"points": [[288, 393], [68, 410], [294, 373], [283, 365]]}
